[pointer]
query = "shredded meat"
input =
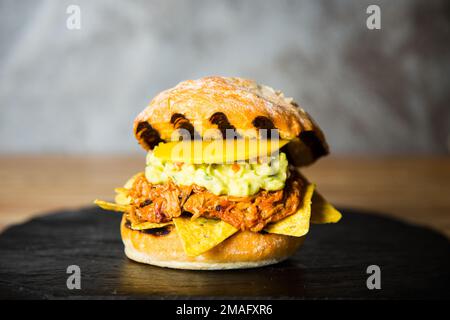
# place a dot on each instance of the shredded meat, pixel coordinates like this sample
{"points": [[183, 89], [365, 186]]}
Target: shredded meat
{"points": [[162, 202]]}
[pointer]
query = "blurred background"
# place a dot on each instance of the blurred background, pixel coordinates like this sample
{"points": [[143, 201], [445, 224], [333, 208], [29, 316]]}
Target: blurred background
{"points": [[77, 91]]}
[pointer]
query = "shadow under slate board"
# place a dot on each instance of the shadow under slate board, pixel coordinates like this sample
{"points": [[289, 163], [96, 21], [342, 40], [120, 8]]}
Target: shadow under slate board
{"points": [[414, 262]]}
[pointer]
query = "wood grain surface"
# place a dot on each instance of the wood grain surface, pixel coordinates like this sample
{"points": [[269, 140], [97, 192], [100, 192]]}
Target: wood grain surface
{"points": [[414, 189]]}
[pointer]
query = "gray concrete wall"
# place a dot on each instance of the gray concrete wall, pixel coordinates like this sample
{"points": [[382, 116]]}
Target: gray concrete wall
{"points": [[383, 91]]}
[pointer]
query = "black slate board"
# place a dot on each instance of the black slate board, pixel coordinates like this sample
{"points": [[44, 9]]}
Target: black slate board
{"points": [[414, 262]]}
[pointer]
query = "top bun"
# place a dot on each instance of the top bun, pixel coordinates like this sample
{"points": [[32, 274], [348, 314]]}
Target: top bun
{"points": [[207, 107]]}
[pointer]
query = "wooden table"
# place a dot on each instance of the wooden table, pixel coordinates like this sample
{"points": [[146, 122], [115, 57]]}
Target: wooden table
{"points": [[414, 189]]}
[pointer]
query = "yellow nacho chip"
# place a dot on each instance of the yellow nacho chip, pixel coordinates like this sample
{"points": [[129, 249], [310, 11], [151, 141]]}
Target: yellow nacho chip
{"points": [[322, 211], [130, 181], [111, 206], [216, 151], [121, 190], [201, 234], [122, 198], [296, 225], [149, 225]]}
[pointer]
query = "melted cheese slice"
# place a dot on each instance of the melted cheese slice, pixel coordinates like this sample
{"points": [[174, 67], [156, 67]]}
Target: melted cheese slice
{"points": [[216, 151]]}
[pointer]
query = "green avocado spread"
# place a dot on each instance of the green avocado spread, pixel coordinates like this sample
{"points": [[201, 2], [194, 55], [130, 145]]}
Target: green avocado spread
{"points": [[238, 179]]}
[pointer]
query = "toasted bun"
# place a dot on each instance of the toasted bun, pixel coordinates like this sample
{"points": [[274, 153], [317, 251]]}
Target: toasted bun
{"points": [[208, 106], [242, 250]]}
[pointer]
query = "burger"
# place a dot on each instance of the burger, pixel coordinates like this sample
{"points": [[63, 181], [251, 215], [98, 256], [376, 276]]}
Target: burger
{"points": [[221, 187]]}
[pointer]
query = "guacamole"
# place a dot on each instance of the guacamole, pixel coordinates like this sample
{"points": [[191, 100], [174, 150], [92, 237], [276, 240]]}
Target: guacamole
{"points": [[238, 179]]}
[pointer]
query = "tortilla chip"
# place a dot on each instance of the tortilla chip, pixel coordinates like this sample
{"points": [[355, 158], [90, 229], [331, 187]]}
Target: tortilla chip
{"points": [[295, 225], [149, 225], [112, 206], [322, 211], [122, 196], [201, 234], [130, 181], [121, 190]]}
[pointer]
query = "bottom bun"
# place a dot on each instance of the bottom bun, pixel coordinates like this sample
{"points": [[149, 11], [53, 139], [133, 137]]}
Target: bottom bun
{"points": [[242, 250]]}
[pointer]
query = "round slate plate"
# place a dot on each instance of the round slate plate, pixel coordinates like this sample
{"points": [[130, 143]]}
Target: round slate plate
{"points": [[414, 262]]}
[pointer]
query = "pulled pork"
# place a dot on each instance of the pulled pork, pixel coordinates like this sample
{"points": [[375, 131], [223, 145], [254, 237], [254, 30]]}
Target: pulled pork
{"points": [[161, 202]]}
